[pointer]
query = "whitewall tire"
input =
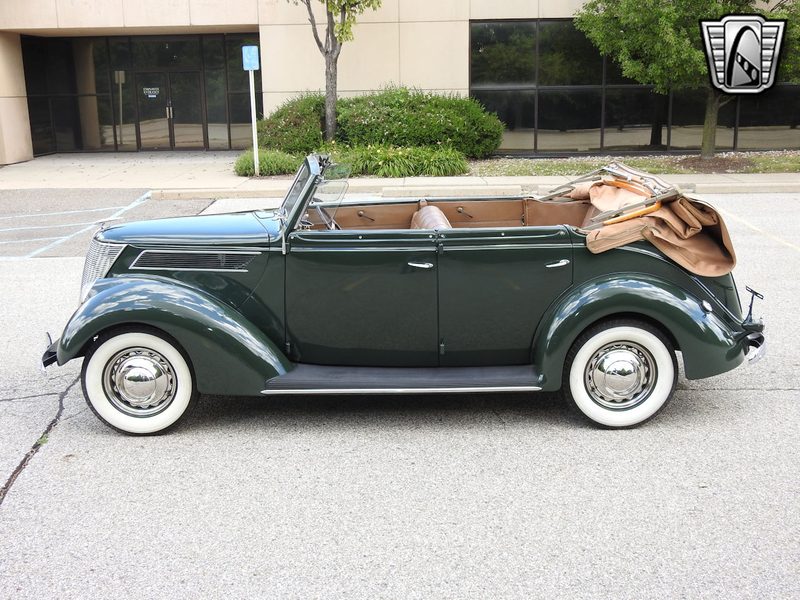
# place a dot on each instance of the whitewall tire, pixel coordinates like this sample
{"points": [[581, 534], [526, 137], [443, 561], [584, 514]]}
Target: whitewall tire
{"points": [[620, 373], [138, 382]]}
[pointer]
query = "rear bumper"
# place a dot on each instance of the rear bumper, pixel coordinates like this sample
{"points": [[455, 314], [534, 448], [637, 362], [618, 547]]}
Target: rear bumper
{"points": [[756, 346], [50, 355]]}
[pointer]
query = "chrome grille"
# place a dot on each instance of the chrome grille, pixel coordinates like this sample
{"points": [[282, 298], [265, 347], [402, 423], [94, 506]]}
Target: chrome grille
{"points": [[193, 260], [99, 258]]}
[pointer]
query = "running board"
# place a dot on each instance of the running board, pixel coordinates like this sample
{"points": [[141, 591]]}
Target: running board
{"points": [[317, 379]]}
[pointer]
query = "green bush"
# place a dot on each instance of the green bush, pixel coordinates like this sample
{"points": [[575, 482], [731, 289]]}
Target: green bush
{"points": [[295, 127], [270, 162], [403, 117], [390, 161]]}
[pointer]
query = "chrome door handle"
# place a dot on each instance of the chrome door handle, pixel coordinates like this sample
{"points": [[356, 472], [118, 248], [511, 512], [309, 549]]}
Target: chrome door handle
{"points": [[562, 263], [421, 265]]}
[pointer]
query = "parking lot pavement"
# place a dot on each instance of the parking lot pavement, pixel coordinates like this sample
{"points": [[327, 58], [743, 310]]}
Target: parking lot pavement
{"points": [[499, 496], [48, 222]]}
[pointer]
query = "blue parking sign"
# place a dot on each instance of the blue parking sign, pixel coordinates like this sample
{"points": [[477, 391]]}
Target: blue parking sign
{"points": [[250, 58]]}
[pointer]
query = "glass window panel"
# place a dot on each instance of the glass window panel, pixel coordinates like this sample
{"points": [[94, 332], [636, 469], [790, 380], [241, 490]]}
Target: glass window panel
{"points": [[238, 80], [34, 59], [688, 115], [123, 106], [187, 121], [100, 60], [241, 128], [216, 111], [176, 52], [120, 51], [105, 122], [517, 109], [67, 125], [503, 52], [770, 120], [569, 120], [60, 67], [566, 56], [636, 119], [213, 52], [41, 126]]}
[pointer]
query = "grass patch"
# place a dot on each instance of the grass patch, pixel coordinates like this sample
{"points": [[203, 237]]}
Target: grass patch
{"points": [[270, 162], [730, 162]]}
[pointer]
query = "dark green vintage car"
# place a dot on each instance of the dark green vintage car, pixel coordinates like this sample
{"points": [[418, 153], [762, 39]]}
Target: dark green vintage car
{"points": [[324, 296]]}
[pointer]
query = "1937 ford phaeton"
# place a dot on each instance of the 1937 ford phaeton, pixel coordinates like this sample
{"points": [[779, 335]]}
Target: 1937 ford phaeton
{"points": [[373, 296]]}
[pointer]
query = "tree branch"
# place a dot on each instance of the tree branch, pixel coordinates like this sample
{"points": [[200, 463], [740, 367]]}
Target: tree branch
{"points": [[313, 22]]}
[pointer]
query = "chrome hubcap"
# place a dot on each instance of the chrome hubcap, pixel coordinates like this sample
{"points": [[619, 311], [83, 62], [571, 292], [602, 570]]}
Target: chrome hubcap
{"points": [[620, 375], [139, 382]]}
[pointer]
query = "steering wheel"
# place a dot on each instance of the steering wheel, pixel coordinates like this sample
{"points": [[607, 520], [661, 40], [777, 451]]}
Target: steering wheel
{"points": [[329, 221]]}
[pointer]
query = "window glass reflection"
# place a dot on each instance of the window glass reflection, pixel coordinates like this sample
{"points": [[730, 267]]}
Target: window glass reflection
{"points": [[123, 107], [636, 119], [216, 109], [41, 126], [569, 120], [688, 116], [517, 109], [238, 79], [166, 53], [770, 120], [503, 52], [213, 52], [241, 128], [566, 56]]}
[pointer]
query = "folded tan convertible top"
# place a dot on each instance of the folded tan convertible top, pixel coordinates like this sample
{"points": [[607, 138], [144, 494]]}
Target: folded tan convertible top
{"points": [[630, 205]]}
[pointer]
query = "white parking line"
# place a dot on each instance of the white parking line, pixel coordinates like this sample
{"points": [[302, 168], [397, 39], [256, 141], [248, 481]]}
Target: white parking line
{"points": [[66, 212], [758, 229], [121, 211], [47, 239], [47, 226]]}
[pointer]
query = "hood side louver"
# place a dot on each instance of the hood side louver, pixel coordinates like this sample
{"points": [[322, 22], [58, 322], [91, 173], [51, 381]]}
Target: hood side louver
{"points": [[193, 260]]}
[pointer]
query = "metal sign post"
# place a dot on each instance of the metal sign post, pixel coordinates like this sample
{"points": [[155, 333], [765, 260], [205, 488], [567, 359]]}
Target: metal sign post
{"points": [[250, 64]]}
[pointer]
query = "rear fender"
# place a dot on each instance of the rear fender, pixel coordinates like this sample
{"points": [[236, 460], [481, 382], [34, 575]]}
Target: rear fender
{"points": [[229, 354], [708, 344]]}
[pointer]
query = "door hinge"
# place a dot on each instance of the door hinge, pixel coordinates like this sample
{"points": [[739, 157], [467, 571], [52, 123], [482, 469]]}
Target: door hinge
{"points": [[288, 346], [441, 347]]}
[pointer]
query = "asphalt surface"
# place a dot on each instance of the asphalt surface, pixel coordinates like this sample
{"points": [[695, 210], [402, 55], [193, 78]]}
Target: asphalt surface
{"points": [[499, 496]]}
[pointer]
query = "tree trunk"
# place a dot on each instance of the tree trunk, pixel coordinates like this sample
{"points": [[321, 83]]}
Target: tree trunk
{"points": [[331, 68], [709, 146], [657, 129]]}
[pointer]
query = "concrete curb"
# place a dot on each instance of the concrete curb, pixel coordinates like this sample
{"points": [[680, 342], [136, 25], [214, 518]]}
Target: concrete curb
{"points": [[401, 191]]}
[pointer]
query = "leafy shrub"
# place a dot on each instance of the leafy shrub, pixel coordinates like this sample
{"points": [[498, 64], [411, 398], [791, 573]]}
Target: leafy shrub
{"points": [[390, 161], [295, 127], [403, 117], [270, 162]]}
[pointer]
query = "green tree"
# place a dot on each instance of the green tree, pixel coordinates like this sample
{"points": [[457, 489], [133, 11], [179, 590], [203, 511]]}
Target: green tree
{"points": [[340, 18], [660, 43]]}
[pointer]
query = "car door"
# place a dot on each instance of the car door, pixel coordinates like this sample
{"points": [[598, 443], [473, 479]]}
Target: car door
{"points": [[362, 297], [494, 286]]}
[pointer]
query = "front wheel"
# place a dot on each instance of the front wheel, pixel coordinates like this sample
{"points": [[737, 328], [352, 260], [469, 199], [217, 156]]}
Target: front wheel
{"points": [[621, 373], [137, 382]]}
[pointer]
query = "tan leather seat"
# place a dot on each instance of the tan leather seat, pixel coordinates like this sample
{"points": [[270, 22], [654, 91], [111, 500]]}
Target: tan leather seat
{"points": [[429, 217]]}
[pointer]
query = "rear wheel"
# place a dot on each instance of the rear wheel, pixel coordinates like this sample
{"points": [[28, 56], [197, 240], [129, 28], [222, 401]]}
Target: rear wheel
{"points": [[620, 373], [138, 382]]}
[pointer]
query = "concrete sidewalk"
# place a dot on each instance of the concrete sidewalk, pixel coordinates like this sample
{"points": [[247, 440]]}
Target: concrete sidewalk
{"points": [[175, 175]]}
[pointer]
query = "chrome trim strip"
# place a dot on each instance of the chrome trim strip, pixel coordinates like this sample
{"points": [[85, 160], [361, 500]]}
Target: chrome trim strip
{"points": [[522, 388]]}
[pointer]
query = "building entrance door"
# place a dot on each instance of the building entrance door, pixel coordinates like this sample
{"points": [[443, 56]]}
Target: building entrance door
{"points": [[170, 107]]}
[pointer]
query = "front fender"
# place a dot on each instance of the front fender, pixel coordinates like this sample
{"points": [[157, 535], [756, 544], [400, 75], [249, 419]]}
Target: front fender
{"points": [[708, 344], [229, 355]]}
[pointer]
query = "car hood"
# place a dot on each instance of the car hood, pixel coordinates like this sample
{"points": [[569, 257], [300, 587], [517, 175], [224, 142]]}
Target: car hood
{"points": [[236, 229]]}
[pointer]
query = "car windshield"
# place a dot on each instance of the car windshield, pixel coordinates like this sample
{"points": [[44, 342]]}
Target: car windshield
{"points": [[297, 189]]}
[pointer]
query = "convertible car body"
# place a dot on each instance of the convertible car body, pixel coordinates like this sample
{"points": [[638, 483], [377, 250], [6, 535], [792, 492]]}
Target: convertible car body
{"points": [[324, 296]]}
